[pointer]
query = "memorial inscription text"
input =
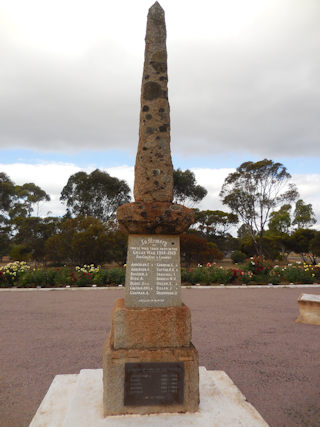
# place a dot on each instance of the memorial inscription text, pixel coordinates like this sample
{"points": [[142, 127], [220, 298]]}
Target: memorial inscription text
{"points": [[153, 271]]}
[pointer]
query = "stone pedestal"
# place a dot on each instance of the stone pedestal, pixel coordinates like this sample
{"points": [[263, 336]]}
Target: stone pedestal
{"points": [[155, 342], [150, 328]]}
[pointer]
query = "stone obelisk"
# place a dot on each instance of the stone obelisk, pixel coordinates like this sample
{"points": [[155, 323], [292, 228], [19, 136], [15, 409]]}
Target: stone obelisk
{"points": [[149, 362]]}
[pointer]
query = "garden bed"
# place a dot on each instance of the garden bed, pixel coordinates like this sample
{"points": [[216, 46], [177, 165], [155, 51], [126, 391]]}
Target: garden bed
{"points": [[254, 272]]}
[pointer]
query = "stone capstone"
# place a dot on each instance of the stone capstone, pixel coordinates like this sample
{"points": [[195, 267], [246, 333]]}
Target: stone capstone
{"points": [[114, 378], [154, 218], [150, 328]]}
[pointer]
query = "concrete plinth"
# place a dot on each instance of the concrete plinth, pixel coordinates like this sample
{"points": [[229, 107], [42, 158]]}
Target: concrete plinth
{"points": [[76, 401], [114, 362], [309, 306]]}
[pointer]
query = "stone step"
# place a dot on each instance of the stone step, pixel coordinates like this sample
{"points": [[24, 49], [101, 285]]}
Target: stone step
{"points": [[76, 401]]}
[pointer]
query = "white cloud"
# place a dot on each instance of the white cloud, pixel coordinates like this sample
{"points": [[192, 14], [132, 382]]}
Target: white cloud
{"points": [[212, 180], [243, 76]]}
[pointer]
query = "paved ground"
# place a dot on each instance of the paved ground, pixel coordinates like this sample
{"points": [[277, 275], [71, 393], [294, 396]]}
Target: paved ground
{"points": [[249, 333]]}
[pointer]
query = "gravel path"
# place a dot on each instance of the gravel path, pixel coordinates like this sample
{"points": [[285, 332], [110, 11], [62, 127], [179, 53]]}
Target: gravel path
{"points": [[249, 333]]}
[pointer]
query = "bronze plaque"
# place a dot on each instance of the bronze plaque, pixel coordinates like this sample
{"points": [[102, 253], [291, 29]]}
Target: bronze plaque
{"points": [[153, 383]]}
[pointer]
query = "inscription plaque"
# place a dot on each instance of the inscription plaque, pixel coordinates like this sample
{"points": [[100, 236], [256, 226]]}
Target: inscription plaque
{"points": [[153, 383], [153, 277]]}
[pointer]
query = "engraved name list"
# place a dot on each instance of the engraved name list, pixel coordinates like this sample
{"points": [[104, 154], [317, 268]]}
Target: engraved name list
{"points": [[153, 271]]}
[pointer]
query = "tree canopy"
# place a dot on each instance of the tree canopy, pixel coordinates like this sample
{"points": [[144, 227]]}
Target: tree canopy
{"points": [[253, 191], [303, 216], [215, 222], [185, 188], [7, 192], [280, 220], [86, 240], [19, 200], [96, 194]]}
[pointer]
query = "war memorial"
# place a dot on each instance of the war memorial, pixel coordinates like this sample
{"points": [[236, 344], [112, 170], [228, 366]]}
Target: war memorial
{"points": [[150, 369]]}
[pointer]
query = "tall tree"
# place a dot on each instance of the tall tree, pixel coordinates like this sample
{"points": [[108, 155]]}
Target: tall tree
{"points": [[7, 193], [27, 199], [303, 216], [19, 200], [253, 191], [96, 194], [185, 188]]}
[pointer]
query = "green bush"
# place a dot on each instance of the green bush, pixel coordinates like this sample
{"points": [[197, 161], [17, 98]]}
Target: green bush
{"points": [[116, 276], [207, 275], [238, 257], [32, 279], [220, 275], [101, 278], [297, 274], [63, 276]]}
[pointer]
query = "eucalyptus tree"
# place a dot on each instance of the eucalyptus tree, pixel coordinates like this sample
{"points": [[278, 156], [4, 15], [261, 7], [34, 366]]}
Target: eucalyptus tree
{"points": [[96, 194], [303, 216], [185, 188], [253, 191]]}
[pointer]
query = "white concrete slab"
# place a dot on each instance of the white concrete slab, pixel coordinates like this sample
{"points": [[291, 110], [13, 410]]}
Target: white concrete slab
{"points": [[310, 297], [221, 405], [53, 408]]}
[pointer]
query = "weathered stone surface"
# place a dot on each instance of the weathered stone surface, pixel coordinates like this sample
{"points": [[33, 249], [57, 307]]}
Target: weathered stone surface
{"points": [[154, 218], [153, 169], [309, 306], [114, 370], [153, 276], [142, 332], [150, 328]]}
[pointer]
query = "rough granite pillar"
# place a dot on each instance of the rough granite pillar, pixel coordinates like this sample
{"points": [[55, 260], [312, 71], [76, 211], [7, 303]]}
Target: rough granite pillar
{"points": [[149, 362], [153, 211], [153, 169]]}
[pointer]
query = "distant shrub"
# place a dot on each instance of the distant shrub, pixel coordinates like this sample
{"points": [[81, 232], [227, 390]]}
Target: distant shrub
{"points": [[238, 257]]}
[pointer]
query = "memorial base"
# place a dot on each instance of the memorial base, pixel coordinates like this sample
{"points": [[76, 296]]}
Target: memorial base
{"points": [[114, 382], [76, 401]]}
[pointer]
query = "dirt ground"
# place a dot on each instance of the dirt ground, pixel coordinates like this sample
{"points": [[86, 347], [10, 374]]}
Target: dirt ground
{"points": [[249, 333]]}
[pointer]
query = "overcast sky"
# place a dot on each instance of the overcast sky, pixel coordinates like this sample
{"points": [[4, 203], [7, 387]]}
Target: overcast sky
{"points": [[244, 84]]}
